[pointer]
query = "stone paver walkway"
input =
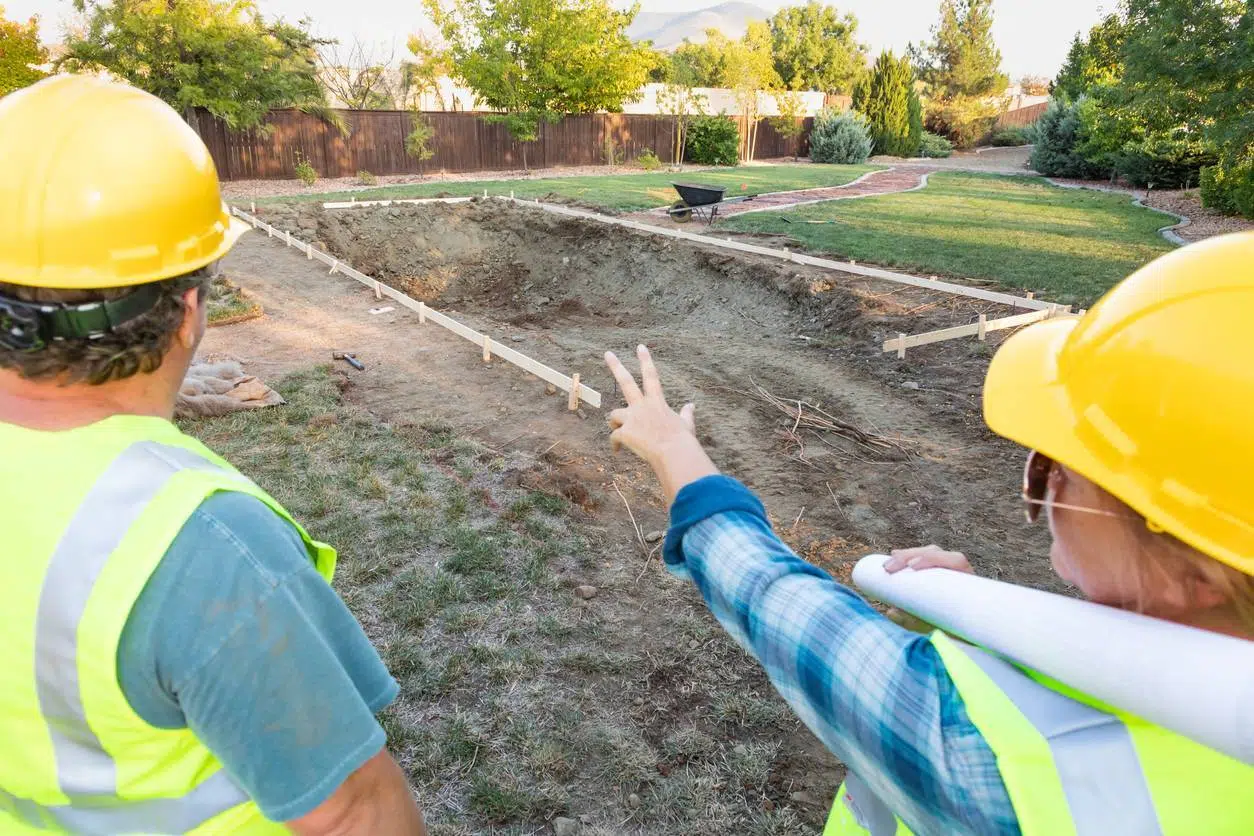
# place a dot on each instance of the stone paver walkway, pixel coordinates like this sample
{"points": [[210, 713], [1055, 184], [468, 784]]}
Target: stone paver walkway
{"points": [[887, 181]]}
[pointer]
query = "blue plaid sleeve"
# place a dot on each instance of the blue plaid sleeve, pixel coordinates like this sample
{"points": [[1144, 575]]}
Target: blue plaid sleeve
{"points": [[876, 694]]}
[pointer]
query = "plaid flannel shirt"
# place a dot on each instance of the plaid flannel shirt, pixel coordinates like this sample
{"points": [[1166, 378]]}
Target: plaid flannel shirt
{"points": [[876, 694]]}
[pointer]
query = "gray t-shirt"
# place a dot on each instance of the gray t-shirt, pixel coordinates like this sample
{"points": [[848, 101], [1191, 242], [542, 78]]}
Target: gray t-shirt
{"points": [[237, 637]]}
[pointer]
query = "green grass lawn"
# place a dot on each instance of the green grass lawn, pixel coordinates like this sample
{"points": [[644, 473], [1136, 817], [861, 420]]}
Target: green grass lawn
{"points": [[1066, 245], [619, 192]]}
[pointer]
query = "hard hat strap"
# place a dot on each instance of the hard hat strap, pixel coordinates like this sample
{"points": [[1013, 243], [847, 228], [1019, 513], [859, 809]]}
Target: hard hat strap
{"points": [[30, 326]]}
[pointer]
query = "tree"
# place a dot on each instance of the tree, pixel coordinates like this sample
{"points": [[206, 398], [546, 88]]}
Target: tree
{"points": [[360, 78], [748, 69], [885, 99], [814, 48], [699, 64], [1034, 85], [681, 104], [20, 53], [790, 122], [218, 55], [961, 68], [541, 59], [422, 76], [1093, 61]]}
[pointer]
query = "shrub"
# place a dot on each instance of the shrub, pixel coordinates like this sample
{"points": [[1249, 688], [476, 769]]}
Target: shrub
{"points": [[1009, 137], [1228, 186], [365, 178], [610, 152], [713, 140], [935, 145], [1058, 133], [915, 137], [418, 143], [840, 137], [305, 171], [1165, 161], [647, 160]]}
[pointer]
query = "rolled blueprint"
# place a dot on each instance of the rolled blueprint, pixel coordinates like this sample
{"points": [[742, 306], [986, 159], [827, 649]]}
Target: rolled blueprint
{"points": [[1194, 682]]}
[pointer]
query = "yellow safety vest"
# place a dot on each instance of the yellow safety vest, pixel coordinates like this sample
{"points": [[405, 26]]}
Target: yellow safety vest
{"points": [[87, 515], [1072, 766]]}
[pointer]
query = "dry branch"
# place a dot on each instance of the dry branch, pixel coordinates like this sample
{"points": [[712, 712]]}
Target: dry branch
{"points": [[806, 416]]}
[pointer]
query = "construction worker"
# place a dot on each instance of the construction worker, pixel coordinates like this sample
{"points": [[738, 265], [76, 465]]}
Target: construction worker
{"points": [[174, 659], [1137, 417]]}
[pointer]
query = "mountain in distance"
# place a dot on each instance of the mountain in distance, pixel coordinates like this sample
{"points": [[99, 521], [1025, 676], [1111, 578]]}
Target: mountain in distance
{"points": [[667, 30]]}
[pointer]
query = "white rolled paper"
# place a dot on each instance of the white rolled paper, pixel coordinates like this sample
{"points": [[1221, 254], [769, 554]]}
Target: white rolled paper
{"points": [[1196, 683]]}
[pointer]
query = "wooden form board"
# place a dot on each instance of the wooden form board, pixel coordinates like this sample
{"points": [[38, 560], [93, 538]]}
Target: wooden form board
{"points": [[978, 329], [349, 204], [826, 263], [549, 375]]}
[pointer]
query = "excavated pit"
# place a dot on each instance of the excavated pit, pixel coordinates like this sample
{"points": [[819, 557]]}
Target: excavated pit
{"points": [[726, 329]]}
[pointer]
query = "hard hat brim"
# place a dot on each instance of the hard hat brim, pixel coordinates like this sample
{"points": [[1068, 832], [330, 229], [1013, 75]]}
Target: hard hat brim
{"points": [[1024, 400]]}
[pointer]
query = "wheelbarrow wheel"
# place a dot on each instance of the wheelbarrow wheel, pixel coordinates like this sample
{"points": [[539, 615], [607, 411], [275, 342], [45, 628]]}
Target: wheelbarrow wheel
{"points": [[680, 212]]}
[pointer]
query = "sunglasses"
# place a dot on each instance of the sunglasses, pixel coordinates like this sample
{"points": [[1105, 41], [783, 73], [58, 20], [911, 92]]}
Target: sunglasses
{"points": [[1037, 473]]}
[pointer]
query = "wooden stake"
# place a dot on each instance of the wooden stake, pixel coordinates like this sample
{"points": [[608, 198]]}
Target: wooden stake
{"points": [[378, 290], [309, 252], [335, 268], [901, 346], [422, 313], [1083, 311], [573, 403], [1030, 295], [287, 238], [981, 334], [487, 349]]}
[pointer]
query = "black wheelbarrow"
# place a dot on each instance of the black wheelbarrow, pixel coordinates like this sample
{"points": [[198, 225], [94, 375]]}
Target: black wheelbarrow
{"points": [[702, 201]]}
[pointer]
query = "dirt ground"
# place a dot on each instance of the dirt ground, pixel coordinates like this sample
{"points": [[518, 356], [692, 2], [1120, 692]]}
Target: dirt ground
{"points": [[564, 290]]}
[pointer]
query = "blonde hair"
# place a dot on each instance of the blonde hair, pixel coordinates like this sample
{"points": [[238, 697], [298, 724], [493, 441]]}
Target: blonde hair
{"points": [[1165, 559]]}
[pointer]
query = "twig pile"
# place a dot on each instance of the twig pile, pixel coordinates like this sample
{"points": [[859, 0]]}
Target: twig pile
{"points": [[807, 416]]}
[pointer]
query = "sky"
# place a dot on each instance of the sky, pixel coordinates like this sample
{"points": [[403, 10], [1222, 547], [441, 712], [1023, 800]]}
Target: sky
{"points": [[1033, 34]]}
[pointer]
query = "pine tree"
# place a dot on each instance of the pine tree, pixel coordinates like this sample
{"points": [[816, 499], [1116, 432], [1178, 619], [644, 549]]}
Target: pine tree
{"points": [[888, 100], [962, 70]]}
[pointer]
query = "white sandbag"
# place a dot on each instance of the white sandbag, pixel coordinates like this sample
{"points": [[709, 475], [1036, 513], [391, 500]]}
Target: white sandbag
{"points": [[1196, 683]]}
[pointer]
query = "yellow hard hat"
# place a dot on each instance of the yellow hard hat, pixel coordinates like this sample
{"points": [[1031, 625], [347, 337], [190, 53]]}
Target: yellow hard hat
{"points": [[1151, 395], [102, 186]]}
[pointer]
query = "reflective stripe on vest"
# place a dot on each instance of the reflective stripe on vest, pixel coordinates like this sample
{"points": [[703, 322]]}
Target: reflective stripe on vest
{"points": [[1092, 750], [86, 773]]}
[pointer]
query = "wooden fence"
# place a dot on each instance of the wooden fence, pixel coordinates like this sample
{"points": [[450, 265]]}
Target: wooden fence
{"points": [[461, 142], [1021, 117]]}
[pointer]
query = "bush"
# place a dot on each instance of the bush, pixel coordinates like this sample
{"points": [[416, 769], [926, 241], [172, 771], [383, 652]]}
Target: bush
{"points": [[647, 160], [935, 145], [1058, 133], [1228, 186], [713, 140], [1009, 137], [840, 137], [1164, 161], [305, 171], [365, 178], [418, 143]]}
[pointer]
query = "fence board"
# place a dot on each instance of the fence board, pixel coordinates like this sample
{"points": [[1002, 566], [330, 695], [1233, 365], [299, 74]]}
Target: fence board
{"points": [[460, 142]]}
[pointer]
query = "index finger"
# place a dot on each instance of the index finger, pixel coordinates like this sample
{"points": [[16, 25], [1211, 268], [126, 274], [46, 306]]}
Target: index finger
{"points": [[631, 392], [648, 373]]}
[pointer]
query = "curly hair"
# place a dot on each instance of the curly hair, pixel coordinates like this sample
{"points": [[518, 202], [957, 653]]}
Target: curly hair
{"points": [[136, 347]]}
